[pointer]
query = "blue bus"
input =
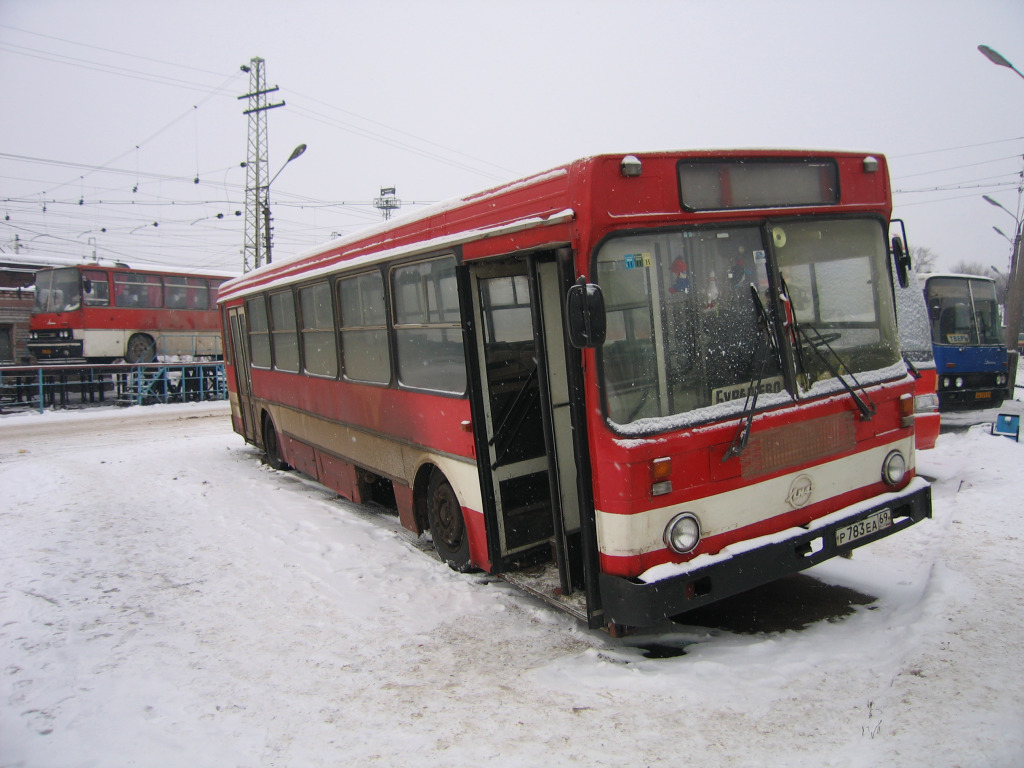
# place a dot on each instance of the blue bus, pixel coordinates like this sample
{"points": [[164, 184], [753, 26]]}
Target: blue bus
{"points": [[967, 339]]}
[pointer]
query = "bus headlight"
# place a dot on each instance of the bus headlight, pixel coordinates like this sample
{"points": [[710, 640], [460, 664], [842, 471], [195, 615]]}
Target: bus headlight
{"points": [[682, 534], [894, 468]]}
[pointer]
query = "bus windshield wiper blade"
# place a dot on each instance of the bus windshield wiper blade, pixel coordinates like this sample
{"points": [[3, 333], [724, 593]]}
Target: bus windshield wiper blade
{"points": [[911, 367], [768, 342], [867, 409]]}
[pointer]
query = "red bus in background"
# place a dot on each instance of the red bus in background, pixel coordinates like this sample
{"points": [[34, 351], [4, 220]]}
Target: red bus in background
{"points": [[631, 384], [104, 313]]}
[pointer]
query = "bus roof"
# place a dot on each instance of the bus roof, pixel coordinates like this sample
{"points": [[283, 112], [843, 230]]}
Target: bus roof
{"points": [[959, 275], [149, 269], [542, 199]]}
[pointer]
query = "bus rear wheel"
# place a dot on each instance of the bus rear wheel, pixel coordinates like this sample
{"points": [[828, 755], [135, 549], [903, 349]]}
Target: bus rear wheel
{"points": [[140, 349], [271, 446], [447, 526]]}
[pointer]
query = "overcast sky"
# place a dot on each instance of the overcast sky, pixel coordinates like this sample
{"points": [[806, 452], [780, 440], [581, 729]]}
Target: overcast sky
{"points": [[112, 110]]}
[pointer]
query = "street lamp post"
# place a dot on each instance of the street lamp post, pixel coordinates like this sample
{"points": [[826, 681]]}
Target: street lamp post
{"points": [[1015, 289], [1014, 294], [266, 195], [996, 58]]}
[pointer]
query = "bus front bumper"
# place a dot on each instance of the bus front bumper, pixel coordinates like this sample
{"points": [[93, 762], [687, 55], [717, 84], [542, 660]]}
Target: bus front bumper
{"points": [[55, 350], [629, 602]]}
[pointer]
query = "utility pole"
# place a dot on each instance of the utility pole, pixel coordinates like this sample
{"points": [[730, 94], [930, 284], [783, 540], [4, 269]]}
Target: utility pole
{"points": [[256, 186]]}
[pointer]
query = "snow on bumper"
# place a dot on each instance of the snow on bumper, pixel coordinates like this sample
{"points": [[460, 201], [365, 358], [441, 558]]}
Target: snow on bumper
{"points": [[671, 589]]}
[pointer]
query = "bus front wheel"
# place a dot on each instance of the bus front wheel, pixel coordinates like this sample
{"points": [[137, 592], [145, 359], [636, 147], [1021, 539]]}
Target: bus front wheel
{"points": [[140, 349], [447, 526]]}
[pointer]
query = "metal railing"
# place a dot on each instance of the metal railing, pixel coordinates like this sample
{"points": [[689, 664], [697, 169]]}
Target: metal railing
{"points": [[83, 385]]}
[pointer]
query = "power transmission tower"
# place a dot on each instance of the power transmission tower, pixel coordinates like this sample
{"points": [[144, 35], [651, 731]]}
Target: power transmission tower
{"points": [[257, 189], [387, 202]]}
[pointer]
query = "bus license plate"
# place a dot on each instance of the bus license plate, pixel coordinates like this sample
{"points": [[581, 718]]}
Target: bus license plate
{"points": [[870, 524]]}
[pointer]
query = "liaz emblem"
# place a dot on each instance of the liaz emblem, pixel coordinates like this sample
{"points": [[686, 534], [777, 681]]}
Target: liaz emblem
{"points": [[800, 491]]}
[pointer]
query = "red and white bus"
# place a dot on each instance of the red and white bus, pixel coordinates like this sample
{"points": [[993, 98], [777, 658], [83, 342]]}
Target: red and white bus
{"points": [[633, 385], [916, 342], [105, 313]]}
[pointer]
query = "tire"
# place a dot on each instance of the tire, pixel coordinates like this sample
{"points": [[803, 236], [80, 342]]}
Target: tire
{"points": [[140, 349], [447, 525], [272, 447]]}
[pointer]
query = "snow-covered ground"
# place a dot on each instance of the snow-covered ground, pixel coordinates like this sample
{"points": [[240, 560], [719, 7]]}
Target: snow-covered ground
{"points": [[166, 600]]}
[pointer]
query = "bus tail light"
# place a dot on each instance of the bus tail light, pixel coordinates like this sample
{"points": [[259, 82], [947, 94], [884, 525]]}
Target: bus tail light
{"points": [[906, 410], [894, 468], [682, 534], [661, 474]]}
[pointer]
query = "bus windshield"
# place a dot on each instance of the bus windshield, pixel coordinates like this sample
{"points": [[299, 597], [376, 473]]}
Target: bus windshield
{"points": [[57, 290], [963, 311], [684, 334]]}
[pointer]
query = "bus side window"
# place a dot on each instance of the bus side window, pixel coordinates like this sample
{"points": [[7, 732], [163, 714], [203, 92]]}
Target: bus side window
{"points": [[95, 288], [319, 350], [197, 294], [214, 287], [283, 331], [428, 332], [174, 292], [259, 332], [154, 295], [363, 321]]}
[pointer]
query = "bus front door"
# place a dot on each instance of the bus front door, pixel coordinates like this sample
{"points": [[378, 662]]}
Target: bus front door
{"points": [[527, 467], [243, 375]]}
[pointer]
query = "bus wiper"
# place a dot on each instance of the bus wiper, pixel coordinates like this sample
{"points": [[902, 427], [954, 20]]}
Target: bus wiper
{"points": [[911, 367], [768, 342], [867, 409]]}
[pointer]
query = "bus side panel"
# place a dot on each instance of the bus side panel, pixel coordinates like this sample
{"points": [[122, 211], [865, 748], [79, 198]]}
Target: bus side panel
{"points": [[415, 418], [926, 423]]}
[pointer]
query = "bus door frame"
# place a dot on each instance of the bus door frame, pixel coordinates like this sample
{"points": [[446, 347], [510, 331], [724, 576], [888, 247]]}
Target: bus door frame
{"points": [[559, 372], [238, 331]]}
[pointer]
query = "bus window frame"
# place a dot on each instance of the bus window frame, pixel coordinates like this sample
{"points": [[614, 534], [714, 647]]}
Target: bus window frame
{"points": [[282, 333], [427, 324], [260, 299], [345, 369], [306, 333]]}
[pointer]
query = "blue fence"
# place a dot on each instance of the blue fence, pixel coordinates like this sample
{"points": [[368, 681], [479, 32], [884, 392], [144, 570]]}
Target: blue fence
{"points": [[77, 386]]}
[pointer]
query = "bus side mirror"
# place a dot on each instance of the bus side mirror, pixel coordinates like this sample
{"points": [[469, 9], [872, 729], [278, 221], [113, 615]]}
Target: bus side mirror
{"points": [[901, 259], [584, 309]]}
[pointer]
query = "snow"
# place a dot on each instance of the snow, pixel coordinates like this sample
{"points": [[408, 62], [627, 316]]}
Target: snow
{"points": [[167, 600]]}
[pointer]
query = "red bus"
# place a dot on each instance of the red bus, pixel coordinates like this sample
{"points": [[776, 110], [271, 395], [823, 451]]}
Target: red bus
{"points": [[106, 313], [633, 385], [916, 342]]}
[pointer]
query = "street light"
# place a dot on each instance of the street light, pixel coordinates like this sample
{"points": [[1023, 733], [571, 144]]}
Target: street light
{"points": [[266, 194], [1014, 297], [997, 204], [1015, 290], [996, 58]]}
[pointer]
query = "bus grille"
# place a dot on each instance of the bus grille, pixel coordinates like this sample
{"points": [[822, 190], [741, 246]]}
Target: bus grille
{"points": [[794, 444]]}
